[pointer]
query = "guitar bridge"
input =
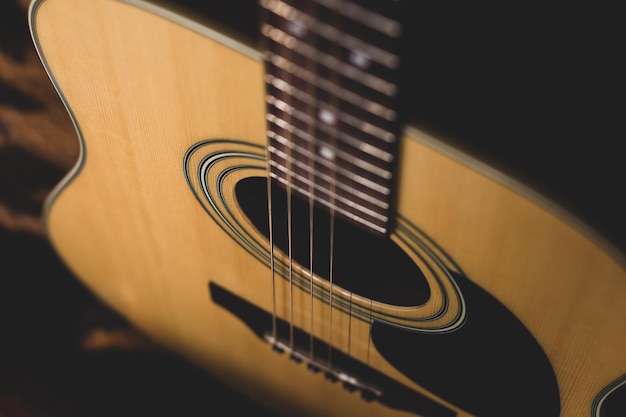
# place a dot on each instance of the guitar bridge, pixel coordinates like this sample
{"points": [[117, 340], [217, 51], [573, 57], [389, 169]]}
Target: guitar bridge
{"points": [[332, 373], [354, 375]]}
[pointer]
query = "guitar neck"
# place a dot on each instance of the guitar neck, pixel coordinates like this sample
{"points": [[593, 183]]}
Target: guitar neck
{"points": [[332, 81]]}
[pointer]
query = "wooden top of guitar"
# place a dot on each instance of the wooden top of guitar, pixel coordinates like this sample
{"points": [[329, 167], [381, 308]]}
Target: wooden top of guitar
{"points": [[146, 86]]}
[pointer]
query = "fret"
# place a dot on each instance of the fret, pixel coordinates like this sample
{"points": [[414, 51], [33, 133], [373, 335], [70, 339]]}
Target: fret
{"points": [[332, 34], [341, 188], [285, 90], [339, 94], [359, 124], [364, 16], [337, 208], [361, 179], [316, 188], [368, 128], [367, 177], [362, 137], [373, 200], [329, 61], [360, 145], [311, 77]]}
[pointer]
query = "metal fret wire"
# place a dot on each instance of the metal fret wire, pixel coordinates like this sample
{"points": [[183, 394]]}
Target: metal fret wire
{"points": [[312, 172]]}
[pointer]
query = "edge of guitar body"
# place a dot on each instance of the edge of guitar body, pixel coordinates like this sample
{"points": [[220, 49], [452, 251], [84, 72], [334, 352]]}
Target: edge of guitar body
{"points": [[413, 140]]}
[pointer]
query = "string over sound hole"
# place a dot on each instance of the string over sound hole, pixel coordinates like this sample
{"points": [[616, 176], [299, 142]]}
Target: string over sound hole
{"points": [[363, 263]]}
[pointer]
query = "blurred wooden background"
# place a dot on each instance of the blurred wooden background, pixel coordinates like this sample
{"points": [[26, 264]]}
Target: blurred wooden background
{"points": [[62, 353]]}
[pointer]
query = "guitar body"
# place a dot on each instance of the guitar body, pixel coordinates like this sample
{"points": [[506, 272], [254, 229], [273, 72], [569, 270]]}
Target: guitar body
{"points": [[525, 309]]}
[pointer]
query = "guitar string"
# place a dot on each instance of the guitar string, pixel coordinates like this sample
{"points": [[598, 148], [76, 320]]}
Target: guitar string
{"points": [[312, 64], [330, 295], [290, 248], [349, 287], [271, 241], [265, 13], [290, 141], [333, 120], [369, 339], [349, 349]]}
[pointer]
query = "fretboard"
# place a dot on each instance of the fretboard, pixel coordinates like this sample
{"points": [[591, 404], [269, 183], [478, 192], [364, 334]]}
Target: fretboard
{"points": [[331, 82]]}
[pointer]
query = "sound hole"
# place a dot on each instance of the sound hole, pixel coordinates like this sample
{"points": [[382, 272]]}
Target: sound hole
{"points": [[363, 263]]}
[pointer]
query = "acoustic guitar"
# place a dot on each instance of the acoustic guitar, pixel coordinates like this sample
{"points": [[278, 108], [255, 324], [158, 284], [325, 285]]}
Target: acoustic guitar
{"points": [[282, 211]]}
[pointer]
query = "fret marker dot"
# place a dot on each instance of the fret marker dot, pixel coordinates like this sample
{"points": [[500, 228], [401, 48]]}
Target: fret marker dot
{"points": [[359, 59], [297, 29], [327, 153], [327, 117]]}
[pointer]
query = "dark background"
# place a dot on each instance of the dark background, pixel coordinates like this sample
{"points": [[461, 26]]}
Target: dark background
{"points": [[546, 80]]}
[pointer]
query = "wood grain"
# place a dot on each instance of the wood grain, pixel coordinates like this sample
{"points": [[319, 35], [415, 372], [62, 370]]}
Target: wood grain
{"points": [[143, 90]]}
